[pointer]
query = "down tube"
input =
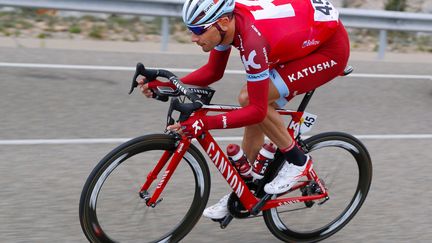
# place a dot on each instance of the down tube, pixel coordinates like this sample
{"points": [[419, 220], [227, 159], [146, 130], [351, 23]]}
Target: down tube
{"points": [[228, 171]]}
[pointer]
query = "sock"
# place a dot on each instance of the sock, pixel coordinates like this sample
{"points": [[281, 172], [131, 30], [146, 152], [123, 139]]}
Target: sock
{"points": [[294, 155]]}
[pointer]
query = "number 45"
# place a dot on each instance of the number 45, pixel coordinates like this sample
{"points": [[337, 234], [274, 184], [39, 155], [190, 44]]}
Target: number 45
{"points": [[324, 11], [323, 6]]}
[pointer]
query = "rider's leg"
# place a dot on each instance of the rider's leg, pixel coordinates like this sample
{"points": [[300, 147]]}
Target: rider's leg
{"points": [[253, 139], [300, 76], [272, 126]]}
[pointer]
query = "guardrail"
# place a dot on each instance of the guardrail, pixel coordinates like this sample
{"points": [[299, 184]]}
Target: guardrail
{"points": [[353, 18]]}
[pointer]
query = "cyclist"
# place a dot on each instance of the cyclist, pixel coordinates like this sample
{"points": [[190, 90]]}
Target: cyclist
{"points": [[288, 47]]}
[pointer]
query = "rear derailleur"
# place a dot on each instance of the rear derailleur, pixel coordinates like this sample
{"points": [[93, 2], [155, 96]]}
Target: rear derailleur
{"points": [[313, 189]]}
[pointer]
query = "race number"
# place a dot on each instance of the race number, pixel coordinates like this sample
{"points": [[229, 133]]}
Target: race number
{"points": [[307, 122], [269, 10], [324, 11]]}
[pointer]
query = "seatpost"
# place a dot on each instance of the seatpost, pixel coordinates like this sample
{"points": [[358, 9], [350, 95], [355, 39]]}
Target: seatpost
{"points": [[305, 101]]}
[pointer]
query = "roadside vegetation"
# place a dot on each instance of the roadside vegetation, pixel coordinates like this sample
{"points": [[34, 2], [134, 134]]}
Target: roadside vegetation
{"points": [[50, 24]]}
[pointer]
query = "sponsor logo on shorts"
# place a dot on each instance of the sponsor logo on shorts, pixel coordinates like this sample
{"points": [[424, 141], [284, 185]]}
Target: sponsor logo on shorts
{"points": [[311, 70]]}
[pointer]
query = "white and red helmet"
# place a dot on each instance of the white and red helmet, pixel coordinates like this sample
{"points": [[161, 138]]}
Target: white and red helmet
{"points": [[200, 12]]}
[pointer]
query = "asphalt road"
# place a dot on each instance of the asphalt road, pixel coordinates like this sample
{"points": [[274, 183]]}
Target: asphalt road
{"points": [[41, 184]]}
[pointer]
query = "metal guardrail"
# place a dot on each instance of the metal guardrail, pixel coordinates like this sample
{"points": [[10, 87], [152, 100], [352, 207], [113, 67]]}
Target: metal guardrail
{"points": [[353, 18], [164, 8]]}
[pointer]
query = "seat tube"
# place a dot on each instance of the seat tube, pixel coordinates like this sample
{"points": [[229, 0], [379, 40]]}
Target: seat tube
{"points": [[305, 101], [175, 160]]}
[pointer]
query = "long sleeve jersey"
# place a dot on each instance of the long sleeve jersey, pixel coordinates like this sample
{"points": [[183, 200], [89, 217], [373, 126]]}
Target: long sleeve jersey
{"points": [[267, 33]]}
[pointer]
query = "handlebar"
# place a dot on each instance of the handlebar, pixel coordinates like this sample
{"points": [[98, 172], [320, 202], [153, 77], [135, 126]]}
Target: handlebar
{"points": [[185, 109], [152, 74]]}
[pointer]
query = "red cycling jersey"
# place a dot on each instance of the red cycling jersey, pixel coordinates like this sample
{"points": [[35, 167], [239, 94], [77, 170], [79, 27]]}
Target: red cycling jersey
{"points": [[267, 33]]}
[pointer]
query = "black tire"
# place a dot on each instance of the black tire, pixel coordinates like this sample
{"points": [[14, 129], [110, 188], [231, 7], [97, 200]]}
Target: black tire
{"points": [[111, 209], [347, 193]]}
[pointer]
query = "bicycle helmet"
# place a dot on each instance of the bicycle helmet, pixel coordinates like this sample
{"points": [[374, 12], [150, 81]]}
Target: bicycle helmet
{"points": [[200, 12]]}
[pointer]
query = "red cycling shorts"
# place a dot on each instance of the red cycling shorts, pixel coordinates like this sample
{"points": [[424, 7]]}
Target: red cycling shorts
{"points": [[309, 72]]}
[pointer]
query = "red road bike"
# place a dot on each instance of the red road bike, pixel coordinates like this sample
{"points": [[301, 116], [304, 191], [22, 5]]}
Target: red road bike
{"points": [[154, 188]]}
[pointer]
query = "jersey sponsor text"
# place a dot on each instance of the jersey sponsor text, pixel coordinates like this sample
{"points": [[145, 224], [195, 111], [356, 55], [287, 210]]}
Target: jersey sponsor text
{"points": [[250, 61]]}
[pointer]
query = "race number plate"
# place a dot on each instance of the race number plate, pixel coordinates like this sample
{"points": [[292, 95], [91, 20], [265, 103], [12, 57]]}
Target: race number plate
{"points": [[303, 126], [324, 11], [307, 122]]}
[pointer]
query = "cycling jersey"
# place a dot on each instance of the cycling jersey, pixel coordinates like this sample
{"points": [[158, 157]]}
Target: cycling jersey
{"points": [[267, 34]]}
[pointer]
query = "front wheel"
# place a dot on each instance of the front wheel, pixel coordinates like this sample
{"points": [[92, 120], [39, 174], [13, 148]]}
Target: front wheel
{"points": [[111, 209], [343, 164]]}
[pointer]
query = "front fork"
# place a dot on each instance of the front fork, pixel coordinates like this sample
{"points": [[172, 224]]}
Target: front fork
{"points": [[176, 157]]}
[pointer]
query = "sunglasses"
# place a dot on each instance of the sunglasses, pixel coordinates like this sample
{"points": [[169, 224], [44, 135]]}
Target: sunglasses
{"points": [[200, 29]]}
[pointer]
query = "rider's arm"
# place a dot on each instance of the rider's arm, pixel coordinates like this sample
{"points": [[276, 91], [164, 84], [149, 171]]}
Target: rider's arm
{"points": [[212, 71], [253, 113], [253, 51]]}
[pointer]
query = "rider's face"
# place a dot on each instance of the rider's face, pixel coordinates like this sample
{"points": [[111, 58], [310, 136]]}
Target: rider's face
{"points": [[208, 40]]}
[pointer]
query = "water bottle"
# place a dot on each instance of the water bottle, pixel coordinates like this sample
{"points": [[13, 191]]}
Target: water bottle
{"points": [[239, 160], [265, 156]]}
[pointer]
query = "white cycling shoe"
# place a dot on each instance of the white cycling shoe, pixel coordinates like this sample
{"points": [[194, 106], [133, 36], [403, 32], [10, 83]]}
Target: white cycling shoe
{"points": [[218, 210], [287, 177]]}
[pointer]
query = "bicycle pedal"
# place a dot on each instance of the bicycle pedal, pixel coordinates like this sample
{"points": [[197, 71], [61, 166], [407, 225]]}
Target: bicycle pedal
{"points": [[225, 221]]}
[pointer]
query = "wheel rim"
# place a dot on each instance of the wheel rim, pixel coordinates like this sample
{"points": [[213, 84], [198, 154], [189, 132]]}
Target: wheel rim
{"points": [[117, 213], [345, 190]]}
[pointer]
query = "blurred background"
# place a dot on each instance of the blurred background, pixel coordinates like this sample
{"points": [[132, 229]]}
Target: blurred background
{"points": [[64, 78], [71, 25]]}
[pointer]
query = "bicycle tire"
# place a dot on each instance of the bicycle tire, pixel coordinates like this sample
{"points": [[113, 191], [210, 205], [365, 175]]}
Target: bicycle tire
{"points": [[305, 230], [135, 151]]}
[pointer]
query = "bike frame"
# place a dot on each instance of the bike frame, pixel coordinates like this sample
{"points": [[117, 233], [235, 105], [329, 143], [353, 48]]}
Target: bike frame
{"points": [[223, 164]]}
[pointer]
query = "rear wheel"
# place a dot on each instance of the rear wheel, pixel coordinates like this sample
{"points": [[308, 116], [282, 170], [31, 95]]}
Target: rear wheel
{"points": [[111, 209], [343, 164]]}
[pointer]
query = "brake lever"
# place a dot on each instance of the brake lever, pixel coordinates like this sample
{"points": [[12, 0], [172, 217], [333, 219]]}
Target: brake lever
{"points": [[170, 119], [141, 70], [137, 73]]}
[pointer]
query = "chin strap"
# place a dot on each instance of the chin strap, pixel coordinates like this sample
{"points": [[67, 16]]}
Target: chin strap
{"points": [[221, 32]]}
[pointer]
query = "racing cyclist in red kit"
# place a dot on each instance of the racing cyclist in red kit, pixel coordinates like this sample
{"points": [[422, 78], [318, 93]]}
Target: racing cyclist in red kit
{"points": [[288, 47]]}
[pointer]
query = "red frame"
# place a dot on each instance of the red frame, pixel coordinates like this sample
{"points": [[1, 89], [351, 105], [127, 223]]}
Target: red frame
{"points": [[222, 163]]}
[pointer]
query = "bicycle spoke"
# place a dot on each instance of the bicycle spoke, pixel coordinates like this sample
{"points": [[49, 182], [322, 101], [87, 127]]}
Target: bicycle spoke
{"points": [[123, 215], [338, 160]]}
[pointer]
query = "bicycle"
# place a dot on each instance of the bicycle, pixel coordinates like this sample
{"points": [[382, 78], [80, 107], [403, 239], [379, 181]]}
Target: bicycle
{"points": [[325, 203]]}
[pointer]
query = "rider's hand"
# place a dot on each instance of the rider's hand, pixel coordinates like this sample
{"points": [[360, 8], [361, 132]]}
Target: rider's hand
{"points": [[192, 127], [144, 88]]}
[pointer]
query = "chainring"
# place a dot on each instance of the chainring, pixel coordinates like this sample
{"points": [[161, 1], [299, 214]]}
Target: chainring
{"points": [[235, 207]]}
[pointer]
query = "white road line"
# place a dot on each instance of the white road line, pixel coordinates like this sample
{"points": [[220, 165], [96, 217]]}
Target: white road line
{"points": [[185, 70], [220, 139]]}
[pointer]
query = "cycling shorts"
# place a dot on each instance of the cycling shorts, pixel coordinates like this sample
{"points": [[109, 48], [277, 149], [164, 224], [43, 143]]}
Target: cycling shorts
{"points": [[307, 73]]}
